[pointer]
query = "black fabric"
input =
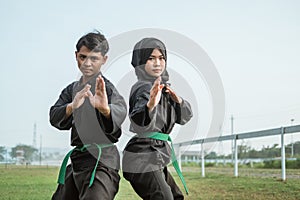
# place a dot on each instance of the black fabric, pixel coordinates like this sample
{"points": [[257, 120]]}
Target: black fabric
{"points": [[154, 185], [106, 184], [109, 157], [67, 191]]}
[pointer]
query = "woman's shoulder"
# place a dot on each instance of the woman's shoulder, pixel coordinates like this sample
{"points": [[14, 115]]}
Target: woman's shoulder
{"points": [[142, 85]]}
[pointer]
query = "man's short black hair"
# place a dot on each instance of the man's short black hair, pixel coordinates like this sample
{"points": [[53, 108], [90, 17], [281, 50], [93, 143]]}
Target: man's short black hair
{"points": [[94, 41]]}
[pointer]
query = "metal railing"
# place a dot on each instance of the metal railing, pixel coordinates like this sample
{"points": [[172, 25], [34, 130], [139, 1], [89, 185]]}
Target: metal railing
{"points": [[255, 134]]}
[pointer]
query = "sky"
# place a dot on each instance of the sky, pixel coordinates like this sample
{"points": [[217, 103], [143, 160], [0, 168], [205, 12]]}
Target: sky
{"points": [[254, 46]]}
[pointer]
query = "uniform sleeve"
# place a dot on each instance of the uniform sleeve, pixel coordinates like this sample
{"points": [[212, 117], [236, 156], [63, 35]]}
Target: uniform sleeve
{"points": [[118, 111], [141, 119], [57, 113], [139, 113], [183, 112]]}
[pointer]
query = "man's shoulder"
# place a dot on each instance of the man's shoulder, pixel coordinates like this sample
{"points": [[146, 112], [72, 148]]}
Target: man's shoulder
{"points": [[72, 84], [106, 80]]}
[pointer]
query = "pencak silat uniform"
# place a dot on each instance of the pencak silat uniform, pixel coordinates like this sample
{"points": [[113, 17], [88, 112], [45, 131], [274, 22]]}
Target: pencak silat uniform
{"points": [[145, 160], [94, 136]]}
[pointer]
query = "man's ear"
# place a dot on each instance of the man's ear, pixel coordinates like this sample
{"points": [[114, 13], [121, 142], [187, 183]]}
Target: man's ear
{"points": [[76, 54], [104, 59]]}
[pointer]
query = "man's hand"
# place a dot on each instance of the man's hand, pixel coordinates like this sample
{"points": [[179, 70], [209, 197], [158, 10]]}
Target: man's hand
{"points": [[99, 100], [78, 100]]}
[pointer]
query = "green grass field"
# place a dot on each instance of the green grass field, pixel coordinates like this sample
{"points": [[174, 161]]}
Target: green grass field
{"points": [[38, 183]]}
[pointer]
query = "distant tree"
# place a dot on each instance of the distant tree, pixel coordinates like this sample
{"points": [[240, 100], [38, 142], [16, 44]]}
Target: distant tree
{"points": [[2, 153], [29, 151], [297, 148], [270, 152], [243, 150], [211, 155]]}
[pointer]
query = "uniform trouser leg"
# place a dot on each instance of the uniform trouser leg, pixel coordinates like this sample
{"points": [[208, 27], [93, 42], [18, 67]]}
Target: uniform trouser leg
{"points": [[105, 186], [177, 194], [68, 191], [154, 185]]}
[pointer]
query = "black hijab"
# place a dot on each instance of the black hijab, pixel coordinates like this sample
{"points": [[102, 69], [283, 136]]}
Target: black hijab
{"points": [[141, 53]]}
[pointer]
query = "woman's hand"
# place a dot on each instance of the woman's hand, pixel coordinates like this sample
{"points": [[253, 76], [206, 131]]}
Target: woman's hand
{"points": [[155, 94]]}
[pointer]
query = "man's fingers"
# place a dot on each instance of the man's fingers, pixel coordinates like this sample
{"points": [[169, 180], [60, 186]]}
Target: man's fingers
{"points": [[89, 94], [100, 84], [83, 93], [87, 87], [91, 97], [86, 90]]}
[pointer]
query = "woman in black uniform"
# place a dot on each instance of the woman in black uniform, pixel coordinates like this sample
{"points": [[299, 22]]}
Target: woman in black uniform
{"points": [[154, 110]]}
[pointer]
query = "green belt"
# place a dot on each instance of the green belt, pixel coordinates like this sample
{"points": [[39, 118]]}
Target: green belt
{"points": [[166, 137], [62, 171]]}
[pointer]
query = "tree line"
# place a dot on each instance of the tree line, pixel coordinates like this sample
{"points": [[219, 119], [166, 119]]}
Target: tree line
{"points": [[245, 151]]}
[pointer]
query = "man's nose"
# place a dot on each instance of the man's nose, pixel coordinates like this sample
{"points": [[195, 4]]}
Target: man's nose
{"points": [[87, 62]]}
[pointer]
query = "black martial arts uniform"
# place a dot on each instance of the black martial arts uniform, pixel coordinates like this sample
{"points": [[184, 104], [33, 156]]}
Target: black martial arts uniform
{"points": [[89, 127], [145, 160]]}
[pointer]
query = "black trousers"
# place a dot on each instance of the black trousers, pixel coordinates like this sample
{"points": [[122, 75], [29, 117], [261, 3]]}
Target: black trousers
{"points": [[76, 187], [154, 185]]}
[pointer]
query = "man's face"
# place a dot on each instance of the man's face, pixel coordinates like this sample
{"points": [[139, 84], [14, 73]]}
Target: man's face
{"points": [[155, 64], [89, 62]]}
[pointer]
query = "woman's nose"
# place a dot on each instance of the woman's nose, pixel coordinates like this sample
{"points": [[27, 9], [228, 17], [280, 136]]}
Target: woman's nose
{"points": [[157, 62]]}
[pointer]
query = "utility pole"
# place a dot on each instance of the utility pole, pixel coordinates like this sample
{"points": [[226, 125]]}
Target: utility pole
{"points": [[34, 136], [232, 148], [41, 150], [292, 140], [6, 161]]}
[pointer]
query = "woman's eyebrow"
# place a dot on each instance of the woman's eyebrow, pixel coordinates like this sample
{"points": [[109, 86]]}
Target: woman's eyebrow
{"points": [[156, 56]]}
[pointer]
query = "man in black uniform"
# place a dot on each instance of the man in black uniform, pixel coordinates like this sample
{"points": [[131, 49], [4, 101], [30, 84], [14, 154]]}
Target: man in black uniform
{"points": [[94, 111]]}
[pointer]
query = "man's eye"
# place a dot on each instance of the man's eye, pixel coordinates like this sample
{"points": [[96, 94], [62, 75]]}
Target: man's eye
{"points": [[94, 59], [82, 57]]}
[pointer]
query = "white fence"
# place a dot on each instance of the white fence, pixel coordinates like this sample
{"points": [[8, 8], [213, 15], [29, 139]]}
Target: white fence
{"points": [[270, 132]]}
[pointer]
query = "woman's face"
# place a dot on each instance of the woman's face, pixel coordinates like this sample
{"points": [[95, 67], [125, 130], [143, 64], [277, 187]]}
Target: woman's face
{"points": [[155, 64]]}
